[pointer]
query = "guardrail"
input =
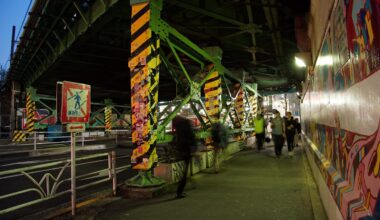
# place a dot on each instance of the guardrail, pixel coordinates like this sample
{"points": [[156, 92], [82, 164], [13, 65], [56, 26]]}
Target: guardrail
{"points": [[39, 138], [48, 180]]}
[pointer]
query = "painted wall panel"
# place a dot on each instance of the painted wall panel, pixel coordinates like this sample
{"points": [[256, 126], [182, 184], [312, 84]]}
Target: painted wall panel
{"points": [[341, 109], [320, 12]]}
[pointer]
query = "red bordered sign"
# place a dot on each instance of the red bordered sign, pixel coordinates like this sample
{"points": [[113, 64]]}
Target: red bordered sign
{"points": [[76, 102]]}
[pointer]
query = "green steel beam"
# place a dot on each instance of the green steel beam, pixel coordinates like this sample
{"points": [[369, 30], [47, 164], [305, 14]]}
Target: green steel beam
{"points": [[67, 27], [253, 37], [206, 12], [179, 61], [96, 10], [45, 38], [189, 55], [164, 30], [196, 112], [81, 13], [172, 115]]}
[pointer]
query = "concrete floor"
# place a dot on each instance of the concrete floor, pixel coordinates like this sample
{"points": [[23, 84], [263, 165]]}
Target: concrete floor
{"points": [[251, 185]]}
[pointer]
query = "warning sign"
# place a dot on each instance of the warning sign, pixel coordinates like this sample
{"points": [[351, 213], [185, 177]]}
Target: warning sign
{"points": [[76, 102]]}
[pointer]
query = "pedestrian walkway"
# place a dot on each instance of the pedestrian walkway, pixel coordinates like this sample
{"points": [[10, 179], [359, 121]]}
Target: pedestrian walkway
{"points": [[250, 185]]}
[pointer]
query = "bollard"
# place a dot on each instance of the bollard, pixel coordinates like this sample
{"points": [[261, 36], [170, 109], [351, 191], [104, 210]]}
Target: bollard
{"points": [[116, 137], [82, 139], [35, 140], [114, 178], [109, 165]]}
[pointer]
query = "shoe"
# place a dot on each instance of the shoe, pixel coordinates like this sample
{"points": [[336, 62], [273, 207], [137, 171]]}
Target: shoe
{"points": [[180, 196]]}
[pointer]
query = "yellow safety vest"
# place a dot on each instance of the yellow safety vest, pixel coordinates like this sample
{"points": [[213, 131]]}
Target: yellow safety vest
{"points": [[259, 125]]}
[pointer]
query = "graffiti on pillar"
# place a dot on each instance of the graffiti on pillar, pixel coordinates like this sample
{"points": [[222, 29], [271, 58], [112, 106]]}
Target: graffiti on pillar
{"points": [[144, 68], [341, 114]]}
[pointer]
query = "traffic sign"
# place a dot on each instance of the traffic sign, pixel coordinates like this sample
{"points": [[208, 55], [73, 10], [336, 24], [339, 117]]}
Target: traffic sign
{"points": [[76, 127], [76, 102]]}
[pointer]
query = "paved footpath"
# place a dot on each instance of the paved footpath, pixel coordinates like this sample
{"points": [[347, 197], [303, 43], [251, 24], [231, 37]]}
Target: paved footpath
{"points": [[250, 185]]}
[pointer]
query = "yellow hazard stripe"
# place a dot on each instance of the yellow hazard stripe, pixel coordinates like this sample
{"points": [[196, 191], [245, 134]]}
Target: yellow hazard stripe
{"points": [[30, 113], [213, 75], [212, 94], [18, 136], [138, 7], [108, 118], [212, 84], [144, 85], [140, 22]]}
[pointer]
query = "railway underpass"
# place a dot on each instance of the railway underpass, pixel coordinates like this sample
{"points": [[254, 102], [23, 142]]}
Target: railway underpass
{"points": [[94, 85]]}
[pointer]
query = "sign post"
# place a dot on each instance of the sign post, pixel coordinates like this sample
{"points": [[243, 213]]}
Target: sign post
{"points": [[73, 174], [75, 106]]}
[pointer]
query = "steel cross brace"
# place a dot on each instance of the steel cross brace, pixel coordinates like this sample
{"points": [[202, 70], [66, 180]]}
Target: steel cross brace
{"points": [[166, 33]]}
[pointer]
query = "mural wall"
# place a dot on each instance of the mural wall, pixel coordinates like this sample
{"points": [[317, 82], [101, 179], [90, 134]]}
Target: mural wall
{"points": [[341, 108]]}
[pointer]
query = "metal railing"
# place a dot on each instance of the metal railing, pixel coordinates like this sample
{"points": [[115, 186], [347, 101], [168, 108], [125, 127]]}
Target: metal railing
{"points": [[40, 138], [54, 177]]}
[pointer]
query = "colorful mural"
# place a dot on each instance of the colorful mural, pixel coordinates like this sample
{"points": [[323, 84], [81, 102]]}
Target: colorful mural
{"points": [[340, 111]]}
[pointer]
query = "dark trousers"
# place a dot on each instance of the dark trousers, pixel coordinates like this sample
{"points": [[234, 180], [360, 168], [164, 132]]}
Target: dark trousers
{"points": [[260, 140], [290, 141], [182, 182], [278, 143]]}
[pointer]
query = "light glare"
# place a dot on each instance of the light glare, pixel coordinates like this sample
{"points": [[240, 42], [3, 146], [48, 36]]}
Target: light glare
{"points": [[300, 62]]}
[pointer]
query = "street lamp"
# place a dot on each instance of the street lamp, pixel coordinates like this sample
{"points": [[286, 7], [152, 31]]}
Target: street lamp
{"points": [[300, 62]]}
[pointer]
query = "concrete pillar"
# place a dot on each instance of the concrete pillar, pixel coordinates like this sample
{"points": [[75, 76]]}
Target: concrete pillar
{"points": [[143, 64]]}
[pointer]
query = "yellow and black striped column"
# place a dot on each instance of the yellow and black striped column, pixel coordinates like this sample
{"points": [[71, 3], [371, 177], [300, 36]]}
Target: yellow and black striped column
{"points": [[108, 118], [30, 111], [239, 106], [252, 100], [213, 93], [143, 64], [253, 104], [18, 136]]}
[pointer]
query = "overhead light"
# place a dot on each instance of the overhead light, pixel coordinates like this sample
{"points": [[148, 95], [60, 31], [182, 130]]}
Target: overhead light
{"points": [[300, 62], [303, 59]]}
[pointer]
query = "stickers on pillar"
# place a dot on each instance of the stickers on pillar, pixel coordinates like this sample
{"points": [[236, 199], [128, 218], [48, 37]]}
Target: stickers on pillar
{"points": [[76, 102]]}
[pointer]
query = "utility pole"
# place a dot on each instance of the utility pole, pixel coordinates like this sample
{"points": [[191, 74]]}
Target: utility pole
{"points": [[12, 43]]}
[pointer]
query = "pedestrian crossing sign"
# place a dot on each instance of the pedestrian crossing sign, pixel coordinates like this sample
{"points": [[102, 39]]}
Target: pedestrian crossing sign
{"points": [[76, 102]]}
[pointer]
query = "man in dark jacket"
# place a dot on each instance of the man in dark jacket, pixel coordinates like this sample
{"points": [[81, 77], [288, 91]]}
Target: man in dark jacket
{"points": [[186, 145], [219, 136], [298, 132], [290, 130]]}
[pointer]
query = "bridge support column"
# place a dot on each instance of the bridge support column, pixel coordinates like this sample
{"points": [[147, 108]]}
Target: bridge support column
{"points": [[213, 92], [30, 110], [240, 111], [144, 68], [108, 115]]}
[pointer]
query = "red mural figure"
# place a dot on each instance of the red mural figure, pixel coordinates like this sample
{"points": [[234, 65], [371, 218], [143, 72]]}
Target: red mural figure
{"points": [[363, 26]]}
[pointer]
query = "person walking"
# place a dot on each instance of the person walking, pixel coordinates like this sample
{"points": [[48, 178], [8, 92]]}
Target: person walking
{"points": [[298, 132], [259, 130], [290, 131], [186, 145], [220, 140], [278, 133]]}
